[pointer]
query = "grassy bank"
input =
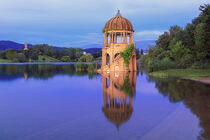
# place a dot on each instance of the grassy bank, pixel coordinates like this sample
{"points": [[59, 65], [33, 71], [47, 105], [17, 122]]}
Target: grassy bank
{"points": [[4, 61], [47, 59], [194, 74], [40, 59]]}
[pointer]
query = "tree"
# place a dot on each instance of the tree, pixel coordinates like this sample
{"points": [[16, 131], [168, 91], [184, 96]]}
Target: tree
{"points": [[163, 41], [137, 54], [180, 54], [65, 59], [86, 58], [21, 57], [174, 30], [34, 56], [201, 41], [2, 54], [11, 54], [142, 52]]}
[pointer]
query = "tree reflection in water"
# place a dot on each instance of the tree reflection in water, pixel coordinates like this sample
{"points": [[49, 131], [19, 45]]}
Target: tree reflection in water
{"points": [[195, 96], [118, 90], [39, 71]]}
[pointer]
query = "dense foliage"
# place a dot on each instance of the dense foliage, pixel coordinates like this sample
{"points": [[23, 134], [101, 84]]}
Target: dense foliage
{"points": [[182, 48]]}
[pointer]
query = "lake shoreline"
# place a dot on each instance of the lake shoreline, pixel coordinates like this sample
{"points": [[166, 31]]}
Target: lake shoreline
{"points": [[200, 75]]}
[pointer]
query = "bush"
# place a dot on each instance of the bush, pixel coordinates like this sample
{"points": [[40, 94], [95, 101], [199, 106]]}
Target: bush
{"points": [[164, 64], [200, 65], [65, 59]]}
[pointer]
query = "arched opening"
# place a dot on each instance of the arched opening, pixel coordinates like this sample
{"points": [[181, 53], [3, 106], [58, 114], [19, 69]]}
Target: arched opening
{"points": [[108, 38], [119, 40], [107, 82], [117, 54], [107, 59], [128, 38]]}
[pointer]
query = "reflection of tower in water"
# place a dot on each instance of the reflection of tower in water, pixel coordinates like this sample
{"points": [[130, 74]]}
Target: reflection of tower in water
{"points": [[25, 76], [118, 90]]}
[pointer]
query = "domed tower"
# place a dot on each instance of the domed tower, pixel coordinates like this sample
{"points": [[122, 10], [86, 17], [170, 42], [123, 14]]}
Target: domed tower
{"points": [[118, 92], [118, 35]]}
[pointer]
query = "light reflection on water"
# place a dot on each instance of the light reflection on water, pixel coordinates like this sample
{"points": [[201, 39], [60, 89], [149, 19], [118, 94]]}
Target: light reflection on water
{"points": [[55, 102]]}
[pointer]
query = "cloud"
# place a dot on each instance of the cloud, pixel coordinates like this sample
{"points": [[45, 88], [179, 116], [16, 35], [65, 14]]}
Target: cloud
{"points": [[70, 22], [148, 35]]}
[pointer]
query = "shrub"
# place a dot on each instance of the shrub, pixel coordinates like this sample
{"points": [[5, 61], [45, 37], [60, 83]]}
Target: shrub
{"points": [[65, 59], [200, 65], [164, 64]]}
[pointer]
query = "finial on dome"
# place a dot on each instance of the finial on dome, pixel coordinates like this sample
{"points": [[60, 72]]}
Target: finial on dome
{"points": [[118, 13]]}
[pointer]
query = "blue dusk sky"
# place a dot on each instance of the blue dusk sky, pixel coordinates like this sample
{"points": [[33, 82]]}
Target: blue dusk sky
{"points": [[76, 23]]}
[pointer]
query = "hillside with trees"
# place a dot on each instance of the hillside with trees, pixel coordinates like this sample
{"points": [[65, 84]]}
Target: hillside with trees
{"points": [[47, 53], [182, 48]]}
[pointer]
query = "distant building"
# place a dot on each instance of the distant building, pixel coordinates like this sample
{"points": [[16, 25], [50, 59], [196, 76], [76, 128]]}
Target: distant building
{"points": [[25, 47], [118, 35]]}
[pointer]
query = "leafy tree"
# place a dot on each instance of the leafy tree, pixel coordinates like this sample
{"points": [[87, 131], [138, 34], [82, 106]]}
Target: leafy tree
{"points": [[200, 41], [142, 52], [34, 56], [137, 54], [174, 30], [21, 57], [86, 58], [163, 41], [11, 54], [2, 54]]}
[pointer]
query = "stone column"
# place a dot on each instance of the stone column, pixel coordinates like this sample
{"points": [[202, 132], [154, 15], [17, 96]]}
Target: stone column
{"points": [[123, 37], [126, 37]]}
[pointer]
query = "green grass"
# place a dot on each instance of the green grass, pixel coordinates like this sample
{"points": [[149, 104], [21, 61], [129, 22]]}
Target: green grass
{"points": [[4, 61], [194, 74], [47, 59]]}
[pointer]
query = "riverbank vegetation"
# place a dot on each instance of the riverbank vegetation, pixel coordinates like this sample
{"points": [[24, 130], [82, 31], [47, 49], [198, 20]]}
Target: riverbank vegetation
{"points": [[182, 48]]}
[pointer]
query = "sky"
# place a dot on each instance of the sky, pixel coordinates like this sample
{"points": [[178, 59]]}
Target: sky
{"points": [[76, 23]]}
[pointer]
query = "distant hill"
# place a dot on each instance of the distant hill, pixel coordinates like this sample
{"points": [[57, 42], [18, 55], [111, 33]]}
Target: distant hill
{"points": [[92, 50], [11, 45]]}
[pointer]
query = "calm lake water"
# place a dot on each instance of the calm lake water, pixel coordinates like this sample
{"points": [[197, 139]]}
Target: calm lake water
{"points": [[53, 102]]}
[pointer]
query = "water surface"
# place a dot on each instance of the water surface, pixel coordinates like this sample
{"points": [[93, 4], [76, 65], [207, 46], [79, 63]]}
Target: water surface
{"points": [[53, 102]]}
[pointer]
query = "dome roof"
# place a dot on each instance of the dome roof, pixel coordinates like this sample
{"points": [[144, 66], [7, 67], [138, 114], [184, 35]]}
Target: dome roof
{"points": [[117, 116], [118, 23]]}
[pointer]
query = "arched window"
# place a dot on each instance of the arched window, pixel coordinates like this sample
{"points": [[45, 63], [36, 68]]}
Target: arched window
{"points": [[116, 55], [107, 59], [108, 38], [128, 38], [107, 82]]}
